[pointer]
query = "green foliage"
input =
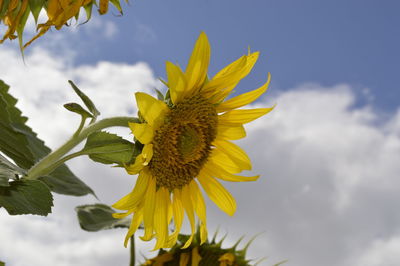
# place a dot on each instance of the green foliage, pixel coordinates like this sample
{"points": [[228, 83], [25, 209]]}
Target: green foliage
{"points": [[26, 197], [86, 100], [107, 148], [8, 171], [2, 263], [22, 145], [98, 217], [77, 108]]}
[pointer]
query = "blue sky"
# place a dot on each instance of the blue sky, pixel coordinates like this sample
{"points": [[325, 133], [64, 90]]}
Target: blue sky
{"points": [[329, 42]]}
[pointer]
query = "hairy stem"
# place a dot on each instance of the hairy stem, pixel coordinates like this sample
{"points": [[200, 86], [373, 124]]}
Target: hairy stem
{"points": [[132, 251], [44, 166]]}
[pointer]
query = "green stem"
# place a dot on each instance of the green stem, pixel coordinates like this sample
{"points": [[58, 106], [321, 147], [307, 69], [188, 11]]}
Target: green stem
{"points": [[132, 249], [81, 125], [45, 164]]}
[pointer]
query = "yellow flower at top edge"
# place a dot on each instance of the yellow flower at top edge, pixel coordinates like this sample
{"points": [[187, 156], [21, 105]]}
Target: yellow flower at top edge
{"points": [[14, 14], [187, 143]]}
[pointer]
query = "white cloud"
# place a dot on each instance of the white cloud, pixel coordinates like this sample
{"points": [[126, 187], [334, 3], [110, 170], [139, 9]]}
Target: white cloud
{"points": [[327, 195]]}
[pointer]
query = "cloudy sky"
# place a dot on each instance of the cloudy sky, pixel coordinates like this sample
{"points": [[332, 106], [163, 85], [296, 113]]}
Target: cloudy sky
{"points": [[328, 154]]}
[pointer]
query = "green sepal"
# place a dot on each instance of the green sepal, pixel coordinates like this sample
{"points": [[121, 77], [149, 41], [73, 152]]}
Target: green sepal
{"points": [[9, 171], [4, 8], [20, 28], [98, 217], [21, 144], [26, 197], [88, 9], [160, 96], [117, 5], [36, 6], [108, 148], [77, 108], [86, 100]]}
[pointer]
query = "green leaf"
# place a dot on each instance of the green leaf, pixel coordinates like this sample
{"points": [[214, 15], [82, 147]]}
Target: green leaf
{"points": [[86, 100], [2, 263], [26, 197], [77, 108], [98, 217], [8, 171], [20, 143], [107, 148], [20, 28]]}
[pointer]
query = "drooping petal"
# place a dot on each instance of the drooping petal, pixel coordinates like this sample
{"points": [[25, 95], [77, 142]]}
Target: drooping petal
{"points": [[236, 153], [196, 258], [196, 70], [184, 259], [148, 211], [187, 204], [136, 221], [131, 200], [161, 217], [176, 82], [200, 209], [215, 170], [178, 213], [218, 194], [143, 132], [241, 116], [230, 132], [150, 108], [243, 99]]}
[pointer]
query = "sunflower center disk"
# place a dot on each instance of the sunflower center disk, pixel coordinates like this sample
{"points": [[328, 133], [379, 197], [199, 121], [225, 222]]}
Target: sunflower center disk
{"points": [[182, 144]]}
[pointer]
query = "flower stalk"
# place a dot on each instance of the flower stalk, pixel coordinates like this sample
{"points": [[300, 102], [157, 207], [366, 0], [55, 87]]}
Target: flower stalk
{"points": [[48, 163]]}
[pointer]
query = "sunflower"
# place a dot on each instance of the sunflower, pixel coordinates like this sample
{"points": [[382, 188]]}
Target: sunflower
{"points": [[15, 13], [187, 142]]}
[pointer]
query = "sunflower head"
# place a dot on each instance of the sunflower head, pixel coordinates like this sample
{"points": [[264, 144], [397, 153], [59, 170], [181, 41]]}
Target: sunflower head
{"points": [[15, 13], [187, 141], [210, 253]]}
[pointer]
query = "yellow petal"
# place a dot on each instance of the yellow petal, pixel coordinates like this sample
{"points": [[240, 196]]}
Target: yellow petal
{"points": [[196, 70], [196, 258], [161, 217], [178, 213], [236, 117], [176, 82], [230, 132], [151, 108], [225, 80], [243, 99], [187, 204], [216, 171], [147, 153], [135, 168], [103, 7], [143, 132], [235, 153], [218, 194], [136, 221], [122, 215], [148, 211], [200, 209], [131, 200], [223, 160]]}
